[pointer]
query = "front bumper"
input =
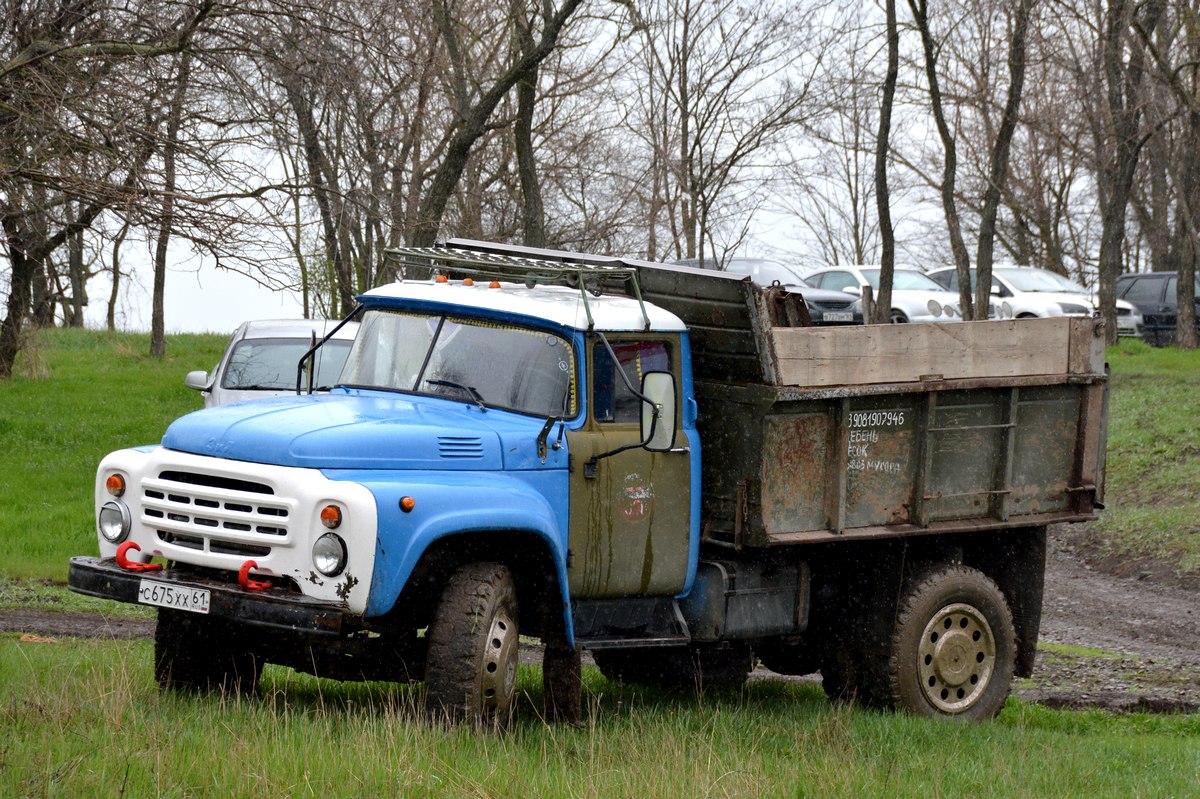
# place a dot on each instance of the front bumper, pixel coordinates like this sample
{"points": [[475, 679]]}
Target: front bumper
{"points": [[274, 608]]}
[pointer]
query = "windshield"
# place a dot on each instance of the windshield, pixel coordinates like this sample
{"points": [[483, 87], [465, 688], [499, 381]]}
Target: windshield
{"points": [[269, 364], [904, 279], [492, 363], [1039, 280]]}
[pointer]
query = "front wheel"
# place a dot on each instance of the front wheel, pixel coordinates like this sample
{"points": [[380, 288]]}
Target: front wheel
{"points": [[898, 317], [953, 649], [471, 663]]}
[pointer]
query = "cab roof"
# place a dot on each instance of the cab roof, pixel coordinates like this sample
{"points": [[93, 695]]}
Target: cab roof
{"points": [[561, 305]]}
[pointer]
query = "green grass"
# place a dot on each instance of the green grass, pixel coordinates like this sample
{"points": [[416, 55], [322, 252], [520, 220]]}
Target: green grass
{"points": [[85, 719], [1153, 470], [89, 393]]}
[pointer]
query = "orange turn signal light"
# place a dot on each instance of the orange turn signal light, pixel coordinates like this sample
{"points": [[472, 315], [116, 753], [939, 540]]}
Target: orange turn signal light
{"points": [[115, 485], [407, 504], [331, 516]]}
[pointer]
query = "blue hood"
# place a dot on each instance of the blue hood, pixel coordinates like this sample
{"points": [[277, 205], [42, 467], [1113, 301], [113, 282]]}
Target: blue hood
{"points": [[349, 429]]}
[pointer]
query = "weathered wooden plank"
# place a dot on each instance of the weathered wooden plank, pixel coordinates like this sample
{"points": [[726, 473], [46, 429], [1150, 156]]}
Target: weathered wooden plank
{"points": [[1087, 346], [903, 353]]}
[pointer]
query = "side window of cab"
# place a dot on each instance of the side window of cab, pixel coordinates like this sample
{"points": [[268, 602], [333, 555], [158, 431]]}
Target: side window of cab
{"points": [[612, 401]]}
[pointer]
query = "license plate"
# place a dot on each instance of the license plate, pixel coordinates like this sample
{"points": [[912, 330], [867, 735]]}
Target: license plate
{"points": [[838, 316], [152, 592]]}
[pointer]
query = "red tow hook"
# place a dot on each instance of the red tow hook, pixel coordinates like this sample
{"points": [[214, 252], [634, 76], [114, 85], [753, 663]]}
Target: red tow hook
{"points": [[133, 565], [244, 578]]}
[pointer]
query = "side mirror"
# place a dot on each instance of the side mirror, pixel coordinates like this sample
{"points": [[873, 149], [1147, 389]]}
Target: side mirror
{"points": [[996, 291], [855, 290], [197, 380], [659, 389]]}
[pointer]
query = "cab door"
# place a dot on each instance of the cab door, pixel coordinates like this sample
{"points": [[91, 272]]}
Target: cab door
{"points": [[630, 510]]}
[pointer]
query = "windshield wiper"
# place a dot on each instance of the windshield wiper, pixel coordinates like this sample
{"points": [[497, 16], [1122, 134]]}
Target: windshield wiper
{"points": [[470, 391]]}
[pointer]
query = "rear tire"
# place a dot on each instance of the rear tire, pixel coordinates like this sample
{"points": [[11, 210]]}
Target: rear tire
{"points": [[193, 653], [954, 647], [471, 664]]}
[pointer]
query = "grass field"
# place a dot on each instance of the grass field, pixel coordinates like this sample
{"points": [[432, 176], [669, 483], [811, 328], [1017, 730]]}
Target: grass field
{"points": [[84, 718], [1153, 494]]}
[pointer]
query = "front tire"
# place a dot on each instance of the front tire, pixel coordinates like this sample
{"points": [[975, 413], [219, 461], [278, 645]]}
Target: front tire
{"points": [[898, 317], [954, 646], [471, 664]]}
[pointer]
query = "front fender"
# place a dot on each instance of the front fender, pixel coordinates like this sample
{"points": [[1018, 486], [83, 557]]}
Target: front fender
{"points": [[460, 502]]}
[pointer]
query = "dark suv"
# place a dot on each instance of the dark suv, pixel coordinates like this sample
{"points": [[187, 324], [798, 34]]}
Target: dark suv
{"points": [[1154, 295]]}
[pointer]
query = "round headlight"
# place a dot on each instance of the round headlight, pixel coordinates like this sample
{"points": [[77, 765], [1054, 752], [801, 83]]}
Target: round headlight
{"points": [[935, 308], [329, 555], [114, 522]]}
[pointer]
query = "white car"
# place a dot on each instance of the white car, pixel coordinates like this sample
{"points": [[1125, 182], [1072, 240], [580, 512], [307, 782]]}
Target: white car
{"points": [[1026, 292], [915, 298], [263, 357]]}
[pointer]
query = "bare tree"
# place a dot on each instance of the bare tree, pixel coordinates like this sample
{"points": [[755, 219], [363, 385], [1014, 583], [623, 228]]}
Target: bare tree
{"points": [[70, 112]]}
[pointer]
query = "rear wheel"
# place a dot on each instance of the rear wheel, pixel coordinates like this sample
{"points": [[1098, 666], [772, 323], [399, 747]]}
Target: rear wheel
{"points": [[471, 664], [193, 653], [953, 649]]}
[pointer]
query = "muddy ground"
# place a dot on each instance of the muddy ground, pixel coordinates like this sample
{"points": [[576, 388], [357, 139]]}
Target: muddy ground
{"points": [[1147, 636]]}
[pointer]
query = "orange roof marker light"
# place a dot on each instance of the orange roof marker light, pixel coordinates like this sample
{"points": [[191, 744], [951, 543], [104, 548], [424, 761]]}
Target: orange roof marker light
{"points": [[468, 281], [441, 279], [495, 284]]}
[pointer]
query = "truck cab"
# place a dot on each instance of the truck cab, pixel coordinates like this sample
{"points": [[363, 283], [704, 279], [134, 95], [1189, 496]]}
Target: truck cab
{"points": [[475, 422]]}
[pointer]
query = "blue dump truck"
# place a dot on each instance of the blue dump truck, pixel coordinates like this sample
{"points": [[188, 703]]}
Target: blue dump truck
{"points": [[668, 467]]}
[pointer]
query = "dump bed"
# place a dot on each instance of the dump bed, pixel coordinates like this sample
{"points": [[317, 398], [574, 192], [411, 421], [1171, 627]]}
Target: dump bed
{"points": [[815, 434]]}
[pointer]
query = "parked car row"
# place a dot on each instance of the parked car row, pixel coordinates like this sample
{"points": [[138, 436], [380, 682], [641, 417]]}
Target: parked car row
{"points": [[1026, 292]]}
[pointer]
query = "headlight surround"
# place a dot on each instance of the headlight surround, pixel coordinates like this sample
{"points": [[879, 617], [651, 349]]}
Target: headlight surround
{"points": [[114, 521], [329, 555], [935, 308]]}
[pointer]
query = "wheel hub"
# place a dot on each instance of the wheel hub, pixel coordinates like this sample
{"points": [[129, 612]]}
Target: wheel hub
{"points": [[499, 675], [956, 658]]}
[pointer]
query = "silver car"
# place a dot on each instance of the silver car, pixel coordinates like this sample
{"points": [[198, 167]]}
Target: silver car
{"points": [[915, 298], [263, 357]]}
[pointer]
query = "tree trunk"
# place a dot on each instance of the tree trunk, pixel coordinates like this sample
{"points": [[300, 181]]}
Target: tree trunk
{"points": [[998, 166], [887, 236], [110, 318], [532, 211], [158, 339], [1123, 78], [958, 247]]}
